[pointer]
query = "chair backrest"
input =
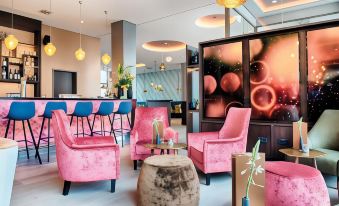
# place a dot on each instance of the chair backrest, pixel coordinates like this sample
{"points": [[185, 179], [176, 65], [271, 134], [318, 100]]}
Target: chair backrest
{"points": [[144, 117], [61, 128], [236, 123], [83, 109], [106, 108], [50, 106], [124, 107], [21, 110], [325, 133]]}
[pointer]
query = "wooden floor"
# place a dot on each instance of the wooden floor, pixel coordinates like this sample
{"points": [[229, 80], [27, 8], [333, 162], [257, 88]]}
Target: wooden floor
{"points": [[40, 185]]}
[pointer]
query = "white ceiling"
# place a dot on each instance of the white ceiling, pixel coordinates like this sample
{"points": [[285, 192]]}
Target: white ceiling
{"points": [[155, 20]]}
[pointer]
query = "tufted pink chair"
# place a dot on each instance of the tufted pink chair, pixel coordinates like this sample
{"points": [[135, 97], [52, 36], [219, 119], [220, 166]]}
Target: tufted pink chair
{"points": [[84, 159], [142, 131], [212, 152]]}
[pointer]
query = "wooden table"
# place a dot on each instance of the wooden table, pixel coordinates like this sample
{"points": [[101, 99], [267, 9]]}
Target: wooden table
{"points": [[312, 154], [163, 147]]}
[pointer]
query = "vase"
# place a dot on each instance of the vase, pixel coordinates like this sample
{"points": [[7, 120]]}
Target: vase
{"points": [[158, 140], [120, 92], [129, 93], [245, 201]]}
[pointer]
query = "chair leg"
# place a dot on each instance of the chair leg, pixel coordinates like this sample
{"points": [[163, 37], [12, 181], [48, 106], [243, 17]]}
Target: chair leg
{"points": [[208, 179], [13, 129], [89, 125], [8, 123], [77, 126], [135, 163], [23, 126], [122, 132], [42, 127], [48, 138], [101, 126], [112, 130], [34, 143], [129, 122], [112, 186], [67, 186], [92, 124], [71, 121], [82, 124]]}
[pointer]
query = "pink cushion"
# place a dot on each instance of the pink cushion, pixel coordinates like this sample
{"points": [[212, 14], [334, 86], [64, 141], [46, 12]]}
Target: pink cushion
{"points": [[197, 154], [291, 170]]}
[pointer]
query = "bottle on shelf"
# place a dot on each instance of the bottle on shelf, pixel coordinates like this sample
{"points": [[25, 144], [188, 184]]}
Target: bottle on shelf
{"points": [[18, 74], [4, 68], [15, 75], [10, 74], [4, 74]]}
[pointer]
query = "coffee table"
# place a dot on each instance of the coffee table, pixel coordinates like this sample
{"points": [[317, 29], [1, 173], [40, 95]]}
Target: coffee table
{"points": [[312, 154], [175, 147]]}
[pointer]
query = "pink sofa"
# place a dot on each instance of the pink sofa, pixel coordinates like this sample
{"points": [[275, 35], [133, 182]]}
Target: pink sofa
{"points": [[212, 152], [142, 131], [84, 159], [291, 184]]}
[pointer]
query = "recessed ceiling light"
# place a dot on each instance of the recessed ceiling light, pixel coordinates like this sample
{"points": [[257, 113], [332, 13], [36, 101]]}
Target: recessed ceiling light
{"points": [[164, 46], [213, 21], [169, 59], [82, 21], [274, 1]]}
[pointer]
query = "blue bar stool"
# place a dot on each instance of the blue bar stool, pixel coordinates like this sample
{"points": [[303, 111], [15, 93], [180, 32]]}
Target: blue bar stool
{"points": [[82, 110], [50, 106], [23, 111], [105, 110], [124, 109]]}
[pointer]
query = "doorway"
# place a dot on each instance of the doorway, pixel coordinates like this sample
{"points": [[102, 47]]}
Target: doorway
{"points": [[64, 82]]}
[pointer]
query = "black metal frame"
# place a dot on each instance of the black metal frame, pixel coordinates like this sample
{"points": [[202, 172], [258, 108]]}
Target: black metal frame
{"points": [[24, 130], [82, 125], [102, 122], [121, 130], [45, 139]]}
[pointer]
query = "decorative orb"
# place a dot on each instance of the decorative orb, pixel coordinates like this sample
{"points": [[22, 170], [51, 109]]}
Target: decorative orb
{"points": [[11, 42], [106, 59], [50, 49], [230, 82], [231, 3], [80, 54], [210, 84]]}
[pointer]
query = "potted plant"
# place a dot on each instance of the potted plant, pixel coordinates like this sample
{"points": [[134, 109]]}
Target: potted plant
{"points": [[124, 82], [253, 168]]}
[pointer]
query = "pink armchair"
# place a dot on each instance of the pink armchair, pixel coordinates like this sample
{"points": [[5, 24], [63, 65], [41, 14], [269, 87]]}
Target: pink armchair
{"points": [[212, 152], [84, 159], [142, 131]]}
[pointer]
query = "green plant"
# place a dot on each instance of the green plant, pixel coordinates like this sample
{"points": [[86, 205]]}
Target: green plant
{"points": [[253, 168], [125, 78]]}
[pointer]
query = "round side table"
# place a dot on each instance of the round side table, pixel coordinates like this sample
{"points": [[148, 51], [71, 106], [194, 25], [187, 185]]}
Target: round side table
{"points": [[168, 180], [312, 154]]}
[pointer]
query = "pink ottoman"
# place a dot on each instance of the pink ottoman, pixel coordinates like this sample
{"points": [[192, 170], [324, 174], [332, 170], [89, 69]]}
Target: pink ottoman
{"points": [[290, 184]]}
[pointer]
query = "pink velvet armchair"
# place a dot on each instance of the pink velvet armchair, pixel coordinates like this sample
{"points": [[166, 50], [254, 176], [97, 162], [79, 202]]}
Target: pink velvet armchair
{"points": [[211, 152], [84, 159], [142, 131]]}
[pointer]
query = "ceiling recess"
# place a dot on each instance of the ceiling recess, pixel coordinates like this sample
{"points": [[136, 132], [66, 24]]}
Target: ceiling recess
{"points": [[164, 46]]}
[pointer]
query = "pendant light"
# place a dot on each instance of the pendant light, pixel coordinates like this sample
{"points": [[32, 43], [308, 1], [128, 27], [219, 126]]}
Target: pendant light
{"points": [[50, 49], [106, 59], [80, 54], [231, 3], [162, 66], [11, 41]]}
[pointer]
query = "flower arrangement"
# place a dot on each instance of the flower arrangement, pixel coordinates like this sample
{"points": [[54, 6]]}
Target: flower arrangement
{"points": [[252, 169], [125, 78], [156, 126]]}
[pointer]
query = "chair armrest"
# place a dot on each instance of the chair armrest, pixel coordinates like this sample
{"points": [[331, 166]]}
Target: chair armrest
{"points": [[95, 146], [223, 141]]}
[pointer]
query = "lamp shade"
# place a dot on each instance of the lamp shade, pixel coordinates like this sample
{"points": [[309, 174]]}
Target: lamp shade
{"points": [[106, 59], [80, 54], [162, 67], [231, 3], [50, 49], [11, 42]]}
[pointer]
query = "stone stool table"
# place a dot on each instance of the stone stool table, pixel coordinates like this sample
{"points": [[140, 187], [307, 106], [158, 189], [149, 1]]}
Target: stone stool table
{"points": [[8, 158], [168, 180]]}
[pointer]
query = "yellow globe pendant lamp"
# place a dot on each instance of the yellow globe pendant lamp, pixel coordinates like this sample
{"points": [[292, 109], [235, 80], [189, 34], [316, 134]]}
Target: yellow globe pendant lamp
{"points": [[80, 54], [11, 42], [106, 59], [50, 49], [231, 3]]}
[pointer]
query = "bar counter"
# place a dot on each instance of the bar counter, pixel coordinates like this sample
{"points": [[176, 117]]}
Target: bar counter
{"points": [[40, 103]]}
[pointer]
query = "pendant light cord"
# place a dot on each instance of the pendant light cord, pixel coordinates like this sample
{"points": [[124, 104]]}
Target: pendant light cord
{"points": [[50, 25], [80, 2], [106, 21], [12, 14]]}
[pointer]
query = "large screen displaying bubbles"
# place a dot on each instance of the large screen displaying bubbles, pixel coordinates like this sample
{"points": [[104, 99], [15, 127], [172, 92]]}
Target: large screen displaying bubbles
{"points": [[323, 71], [223, 79], [274, 78]]}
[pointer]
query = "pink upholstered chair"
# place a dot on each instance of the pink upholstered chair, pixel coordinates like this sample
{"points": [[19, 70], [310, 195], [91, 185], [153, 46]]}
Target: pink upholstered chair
{"points": [[84, 159], [142, 131], [212, 152]]}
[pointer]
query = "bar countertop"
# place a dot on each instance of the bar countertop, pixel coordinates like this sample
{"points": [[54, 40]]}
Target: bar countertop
{"points": [[44, 98]]}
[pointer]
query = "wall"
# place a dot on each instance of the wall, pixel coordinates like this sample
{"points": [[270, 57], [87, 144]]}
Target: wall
{"points": [[88, 70], [168, 79]]}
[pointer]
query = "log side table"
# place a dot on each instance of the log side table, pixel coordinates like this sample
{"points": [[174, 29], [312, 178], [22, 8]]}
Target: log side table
{"points": [[312, 154], [168, 180]]}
